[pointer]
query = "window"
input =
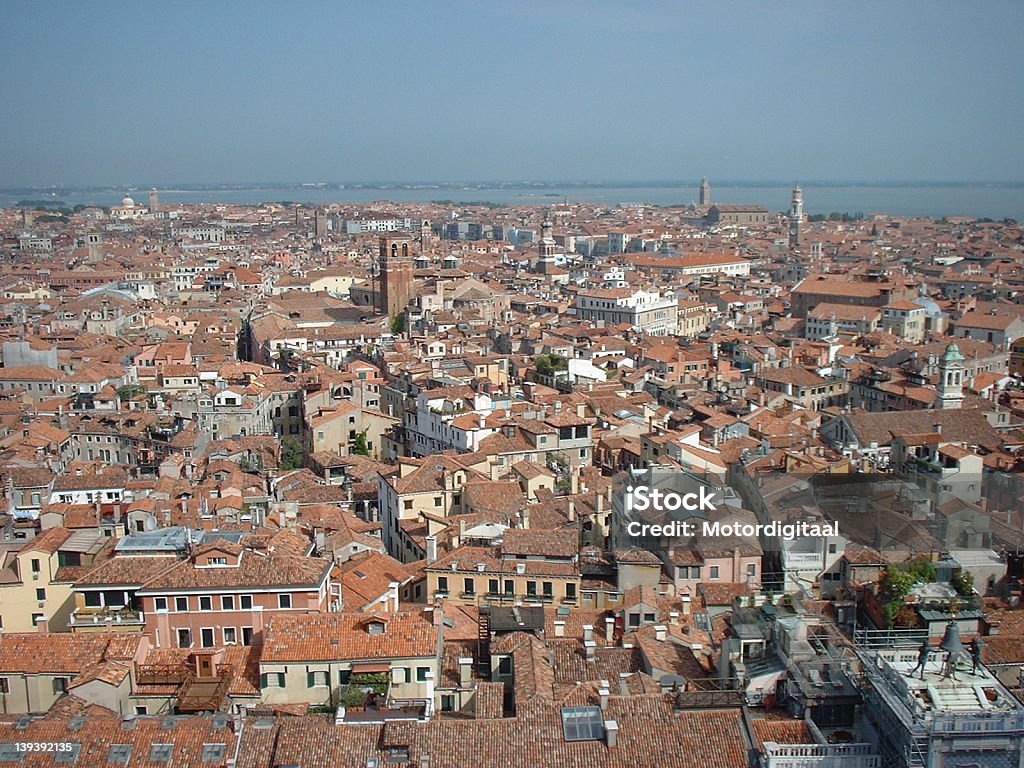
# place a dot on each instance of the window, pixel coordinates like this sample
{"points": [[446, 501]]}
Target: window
{"points": [[505, 665], [437, 501], [181, 604], [5, 685], [40, 593], [206, 637], [36, 567], [509, 586], [831, 549], [218, 561], [247, 633], [119, 753], [421, 674], [272, 680], [442, 583], [184, 638], [447, 703], [570, 591], [751, 569], [531, 587], [548, 588], [227, 602], [142, 710], [284, 601], [205, 603], [316, 680], [714, 572], [161, 753], [60, 685], [93, 599], [469, 586], [160, 603], [492, 586], [245, 602], [230, 636]]}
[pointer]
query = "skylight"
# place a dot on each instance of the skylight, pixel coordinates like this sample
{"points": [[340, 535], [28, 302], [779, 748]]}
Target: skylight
{"points": [[582, 723]]}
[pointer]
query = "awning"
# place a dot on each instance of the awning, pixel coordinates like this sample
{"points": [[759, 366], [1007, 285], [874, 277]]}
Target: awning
{"points": [[371, 666]]}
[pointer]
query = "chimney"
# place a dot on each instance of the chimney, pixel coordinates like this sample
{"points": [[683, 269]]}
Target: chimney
{"points": [[588, 632], [572, 511], [589, 646], [431, 549], [603, 692], [559, 628], [393, 596], [937, 428], [465, 672], [43, 625], [660, 633], [609, 629], [673, 618], [524, 518], [611, 732], [686, 605]]}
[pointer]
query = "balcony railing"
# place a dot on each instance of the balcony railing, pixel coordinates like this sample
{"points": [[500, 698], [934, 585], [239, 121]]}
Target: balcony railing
{"points": [[95, 617], [160, 674], [204, 694]]}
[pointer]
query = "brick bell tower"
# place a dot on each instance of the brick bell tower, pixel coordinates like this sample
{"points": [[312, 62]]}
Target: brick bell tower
{"points": [[395, 271]]}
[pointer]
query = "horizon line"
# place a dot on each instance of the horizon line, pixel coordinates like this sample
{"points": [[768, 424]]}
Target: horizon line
{"points": [[540, 183]]}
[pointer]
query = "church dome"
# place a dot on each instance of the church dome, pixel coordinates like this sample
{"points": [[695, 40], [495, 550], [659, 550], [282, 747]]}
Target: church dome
{"points": [[127, 202]]}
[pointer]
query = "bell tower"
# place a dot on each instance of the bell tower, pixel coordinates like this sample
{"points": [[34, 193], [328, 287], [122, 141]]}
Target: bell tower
{"points": [[796, 217], [949, 392]]}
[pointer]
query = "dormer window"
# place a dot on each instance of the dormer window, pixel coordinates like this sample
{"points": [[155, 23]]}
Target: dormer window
{"points": [[218, 561]]}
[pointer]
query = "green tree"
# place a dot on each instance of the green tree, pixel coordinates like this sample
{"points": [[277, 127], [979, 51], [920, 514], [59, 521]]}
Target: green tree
{"points": [[129, 391], [546, 365], [896, 583], [921, 569], [360, 448], [398, 323], [292, 455], [963, 583]]}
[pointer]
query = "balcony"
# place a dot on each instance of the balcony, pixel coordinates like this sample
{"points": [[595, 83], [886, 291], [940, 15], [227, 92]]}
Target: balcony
{"points": [[121, 619], [160, 674], [204, 694]]}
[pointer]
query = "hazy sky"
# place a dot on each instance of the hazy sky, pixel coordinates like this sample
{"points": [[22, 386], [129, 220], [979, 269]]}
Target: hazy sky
{"points": [[156, 93]]}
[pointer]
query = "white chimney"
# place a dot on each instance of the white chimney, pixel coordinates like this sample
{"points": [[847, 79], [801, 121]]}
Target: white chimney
{"points": [[660, 633], [673, 618], [609, 629], [431, 549], [686, 605], [393, 596], [589, 646], [465, 671], [611, 732], [588, 632], [559, 628], [429, 696], [603, 694]]}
